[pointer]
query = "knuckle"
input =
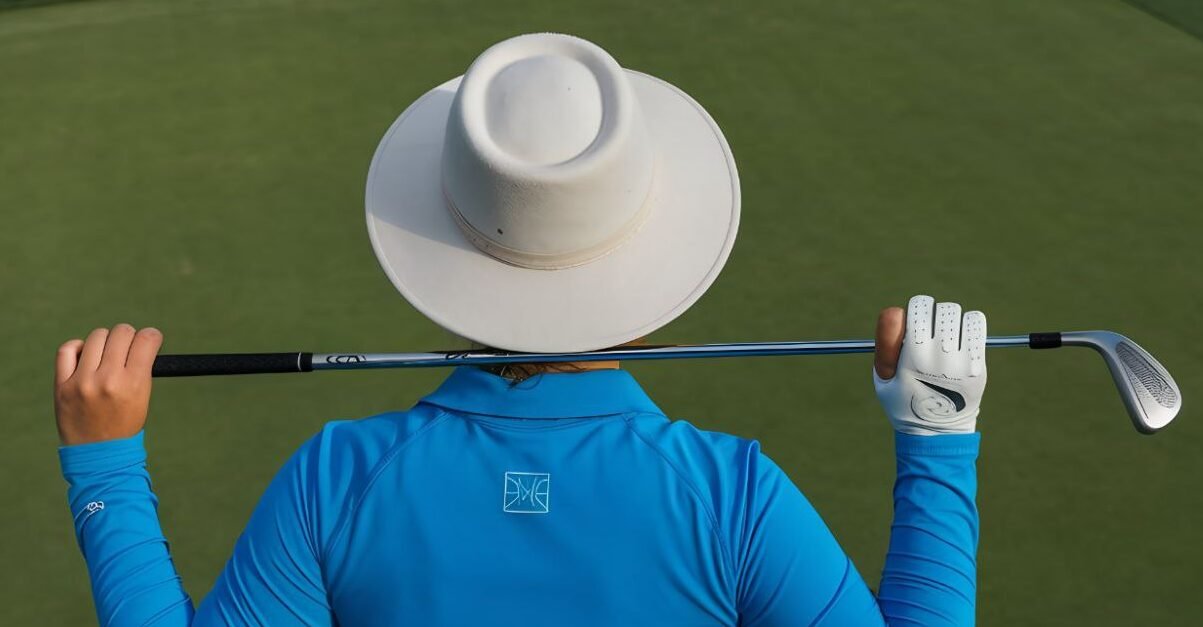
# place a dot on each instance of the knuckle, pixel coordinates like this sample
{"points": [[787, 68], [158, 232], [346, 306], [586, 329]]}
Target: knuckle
{"points": [[111, 386], [86, 388]]}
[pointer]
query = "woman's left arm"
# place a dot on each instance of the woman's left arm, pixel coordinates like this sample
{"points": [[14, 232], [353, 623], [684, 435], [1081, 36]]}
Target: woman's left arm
{"points": [[102, 394], [134, 581], [101, 397]]}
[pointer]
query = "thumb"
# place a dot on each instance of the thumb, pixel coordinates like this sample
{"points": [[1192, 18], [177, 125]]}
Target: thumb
{"points": [[66, 360], [890, 327]]}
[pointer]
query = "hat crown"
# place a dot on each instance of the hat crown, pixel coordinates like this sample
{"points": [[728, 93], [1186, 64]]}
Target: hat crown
{"points": [[547, 163], [544, 109]]}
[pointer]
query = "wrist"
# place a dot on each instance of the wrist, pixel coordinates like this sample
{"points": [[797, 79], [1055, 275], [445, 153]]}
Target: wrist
{"points": [[956, 425], [943, 444], [94, 457]]}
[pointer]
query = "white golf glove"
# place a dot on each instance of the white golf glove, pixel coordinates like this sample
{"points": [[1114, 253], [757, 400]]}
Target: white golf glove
{"points": [[941, 373]]}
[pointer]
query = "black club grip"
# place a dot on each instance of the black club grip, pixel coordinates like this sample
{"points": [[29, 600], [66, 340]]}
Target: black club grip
{"points": [[230, 363]]}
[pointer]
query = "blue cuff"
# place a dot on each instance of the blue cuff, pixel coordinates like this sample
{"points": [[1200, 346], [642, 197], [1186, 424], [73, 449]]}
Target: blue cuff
{"points": [[104, 456], [944, 445]]}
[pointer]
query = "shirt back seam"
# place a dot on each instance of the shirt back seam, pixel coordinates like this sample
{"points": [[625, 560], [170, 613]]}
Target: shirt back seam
{"points": [[384, 463], [728, 563]]}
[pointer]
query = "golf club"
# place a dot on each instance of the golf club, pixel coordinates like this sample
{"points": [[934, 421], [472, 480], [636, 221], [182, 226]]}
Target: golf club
{"points": [[1146, 387]]}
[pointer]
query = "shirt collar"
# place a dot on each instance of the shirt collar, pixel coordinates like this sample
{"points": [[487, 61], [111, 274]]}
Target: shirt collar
{"points": [[549, 395]]}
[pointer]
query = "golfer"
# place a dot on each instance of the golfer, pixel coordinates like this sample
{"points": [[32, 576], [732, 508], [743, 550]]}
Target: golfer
{"points": [[547, 200]]}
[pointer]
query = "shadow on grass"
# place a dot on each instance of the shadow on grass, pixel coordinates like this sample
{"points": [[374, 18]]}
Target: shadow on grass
{"points": [[1185, 15], [25, 4]]}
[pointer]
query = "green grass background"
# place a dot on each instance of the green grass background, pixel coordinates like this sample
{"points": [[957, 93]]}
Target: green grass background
{"points": [[199, 166], [1184, 14]]}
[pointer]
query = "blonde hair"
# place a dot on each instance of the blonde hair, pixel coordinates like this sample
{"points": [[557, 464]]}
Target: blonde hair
{"points": [[521, 372], [515, 372]]}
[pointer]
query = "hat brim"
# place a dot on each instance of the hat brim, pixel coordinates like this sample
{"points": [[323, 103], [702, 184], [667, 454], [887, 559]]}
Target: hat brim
{"points": [[650, 279]]}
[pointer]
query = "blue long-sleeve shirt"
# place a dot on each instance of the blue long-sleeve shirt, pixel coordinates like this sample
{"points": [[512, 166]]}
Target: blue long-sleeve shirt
{"points": [[566, 499]]}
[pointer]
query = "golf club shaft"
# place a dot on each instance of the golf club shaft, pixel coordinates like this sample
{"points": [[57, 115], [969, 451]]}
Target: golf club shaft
{"points": [[256, 363]]}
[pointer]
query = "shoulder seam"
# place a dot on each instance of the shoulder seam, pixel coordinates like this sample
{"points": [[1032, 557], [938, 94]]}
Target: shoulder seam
{"points": [[728, 563], [384, 462]]}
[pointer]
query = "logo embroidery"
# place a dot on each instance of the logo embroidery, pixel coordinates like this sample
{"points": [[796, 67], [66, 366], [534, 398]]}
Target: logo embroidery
{"points": [[958, 401], [527, 493], [89, 509]]}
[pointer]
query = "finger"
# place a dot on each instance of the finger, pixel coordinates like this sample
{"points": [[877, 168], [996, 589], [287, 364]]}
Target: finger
{"points": [[89, 357], [116, 347], [919, 319], [143, 351], [889, 342], [948, 327], [66, 359], [973, 341]]}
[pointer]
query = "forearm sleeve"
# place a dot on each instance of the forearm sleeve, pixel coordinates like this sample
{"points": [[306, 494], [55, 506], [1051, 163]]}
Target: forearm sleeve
{"points": [[930, 575], [117, 526]]}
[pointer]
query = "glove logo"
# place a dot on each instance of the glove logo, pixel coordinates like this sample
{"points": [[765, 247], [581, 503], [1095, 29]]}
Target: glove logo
{"points": [[944, 404], [958, 401]]}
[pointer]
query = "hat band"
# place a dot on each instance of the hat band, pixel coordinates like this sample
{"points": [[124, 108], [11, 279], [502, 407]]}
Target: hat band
{"points": [[550, 261]]}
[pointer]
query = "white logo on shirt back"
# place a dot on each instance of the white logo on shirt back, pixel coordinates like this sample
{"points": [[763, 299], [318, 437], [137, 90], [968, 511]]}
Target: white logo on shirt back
{"points": [[527, 493]]}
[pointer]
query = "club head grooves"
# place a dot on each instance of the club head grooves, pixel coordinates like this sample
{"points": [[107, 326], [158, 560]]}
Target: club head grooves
{"points": [[1148, 390]]}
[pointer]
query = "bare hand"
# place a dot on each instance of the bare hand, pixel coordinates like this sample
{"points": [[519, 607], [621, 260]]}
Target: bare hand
{"points": [[102, 385], [890, 327]]}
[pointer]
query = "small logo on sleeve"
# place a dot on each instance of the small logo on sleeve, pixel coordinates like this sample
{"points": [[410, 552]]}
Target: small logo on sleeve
{"points": [[89, 509], [527, 493]]}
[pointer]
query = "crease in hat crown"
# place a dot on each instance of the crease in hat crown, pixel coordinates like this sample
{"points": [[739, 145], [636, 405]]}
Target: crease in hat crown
{"points": [[547, 162]]}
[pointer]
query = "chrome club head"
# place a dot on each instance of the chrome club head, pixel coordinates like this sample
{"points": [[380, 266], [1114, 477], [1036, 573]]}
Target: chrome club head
{"points": [[1148, 390]]}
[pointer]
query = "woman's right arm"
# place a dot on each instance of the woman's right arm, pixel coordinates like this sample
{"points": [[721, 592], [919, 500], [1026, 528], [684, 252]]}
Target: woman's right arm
{"points": [[930, 375], [796, 573], [930, 574]]}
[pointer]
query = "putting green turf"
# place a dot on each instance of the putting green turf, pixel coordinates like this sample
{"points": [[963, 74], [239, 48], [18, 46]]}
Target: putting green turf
{"points": [[1184, 14], [199, 166]]}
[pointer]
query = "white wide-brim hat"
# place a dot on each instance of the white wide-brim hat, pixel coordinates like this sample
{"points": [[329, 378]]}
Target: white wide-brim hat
{"points": [[550, 201]]}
